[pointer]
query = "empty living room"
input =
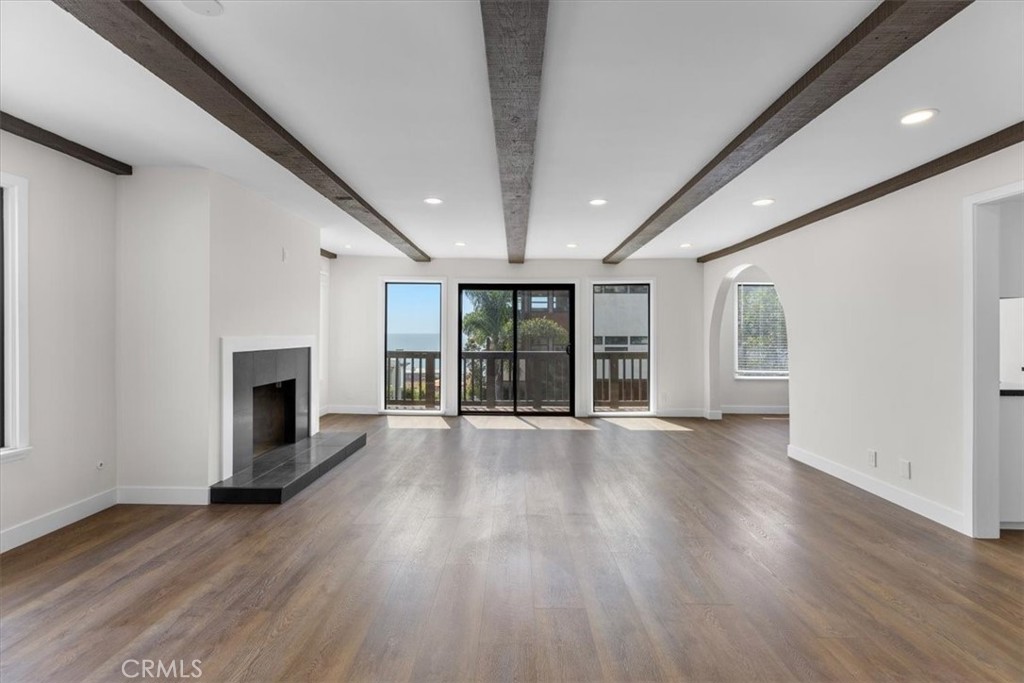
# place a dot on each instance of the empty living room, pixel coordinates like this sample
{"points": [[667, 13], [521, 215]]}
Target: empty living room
{"points": [[512, 340]]}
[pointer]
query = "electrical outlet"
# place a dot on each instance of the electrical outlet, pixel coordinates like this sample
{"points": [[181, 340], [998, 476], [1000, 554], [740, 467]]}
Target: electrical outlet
{"points": [[872, 458], [904, 468]]}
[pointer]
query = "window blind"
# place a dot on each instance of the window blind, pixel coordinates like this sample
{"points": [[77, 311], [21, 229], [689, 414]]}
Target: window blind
{"points": [[762, 349]]}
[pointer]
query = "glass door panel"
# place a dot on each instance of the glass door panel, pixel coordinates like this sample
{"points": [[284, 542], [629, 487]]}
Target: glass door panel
{"points": [[486, 353], [544, 351]]}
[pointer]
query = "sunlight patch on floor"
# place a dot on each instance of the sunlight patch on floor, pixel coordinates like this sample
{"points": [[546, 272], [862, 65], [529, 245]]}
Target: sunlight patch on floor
{"points": [[646, 424], [416, 422], [560, 423], [496, 422]]}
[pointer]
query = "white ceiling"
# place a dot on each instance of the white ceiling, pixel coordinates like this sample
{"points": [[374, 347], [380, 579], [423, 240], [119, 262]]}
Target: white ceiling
{"points": [[636, 97]]}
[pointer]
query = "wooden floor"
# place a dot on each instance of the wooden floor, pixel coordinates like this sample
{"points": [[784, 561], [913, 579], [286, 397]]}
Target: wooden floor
{"points": [[475, 549]]}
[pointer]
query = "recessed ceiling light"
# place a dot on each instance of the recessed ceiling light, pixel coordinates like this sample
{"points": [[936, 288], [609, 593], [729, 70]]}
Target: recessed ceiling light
{"points": [[208, 8], [919, 116], [767, 201], [433, 201], [460, 244], [598, 202], [685, 245], [348, 246], [571, 245]]}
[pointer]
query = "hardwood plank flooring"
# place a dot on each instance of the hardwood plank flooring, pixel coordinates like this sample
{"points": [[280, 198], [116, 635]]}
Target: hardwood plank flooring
{"points": [[563, 550]]}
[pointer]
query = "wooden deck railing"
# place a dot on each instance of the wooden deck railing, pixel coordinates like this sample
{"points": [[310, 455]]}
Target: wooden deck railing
{"points": [[621, 380]]}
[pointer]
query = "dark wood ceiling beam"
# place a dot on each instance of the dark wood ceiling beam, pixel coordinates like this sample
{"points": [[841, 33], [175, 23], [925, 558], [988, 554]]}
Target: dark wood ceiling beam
{"points": [[24, 129], [892, 29], [328, 254], [976, 150], [132, 28], [514, 33]]}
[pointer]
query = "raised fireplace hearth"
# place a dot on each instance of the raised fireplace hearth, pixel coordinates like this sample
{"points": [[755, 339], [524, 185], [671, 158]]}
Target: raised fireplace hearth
{"points": [[269, 412]]}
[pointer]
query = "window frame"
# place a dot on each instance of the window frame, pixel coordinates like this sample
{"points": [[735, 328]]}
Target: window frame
{"points": [[652, 335], [382, 344], [17, 444], [747, 375]]}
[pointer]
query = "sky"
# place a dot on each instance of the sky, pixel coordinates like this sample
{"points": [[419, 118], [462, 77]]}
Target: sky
{"points": [[414, 308]]}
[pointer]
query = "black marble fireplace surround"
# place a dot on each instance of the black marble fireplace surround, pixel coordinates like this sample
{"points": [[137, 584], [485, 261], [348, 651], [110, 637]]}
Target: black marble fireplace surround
{"points": [[271, 401]]}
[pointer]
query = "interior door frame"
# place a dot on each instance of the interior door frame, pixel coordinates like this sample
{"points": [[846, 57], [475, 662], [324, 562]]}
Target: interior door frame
{"points": [[515, 288]]}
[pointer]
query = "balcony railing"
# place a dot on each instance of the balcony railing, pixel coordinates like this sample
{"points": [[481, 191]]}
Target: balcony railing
{"points": [[621, 380], [413, 380], [544, 381]]}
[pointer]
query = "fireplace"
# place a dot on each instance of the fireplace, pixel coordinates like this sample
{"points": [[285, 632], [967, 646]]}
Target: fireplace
{"points": [[273, 416], [270, 402]]}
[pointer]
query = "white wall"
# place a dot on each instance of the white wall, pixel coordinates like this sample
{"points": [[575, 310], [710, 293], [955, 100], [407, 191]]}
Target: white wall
{"points": [[264, 281], [1011, 248], [874, 303], [746, 395], [356, 324], [71, 344], [163, 328]]}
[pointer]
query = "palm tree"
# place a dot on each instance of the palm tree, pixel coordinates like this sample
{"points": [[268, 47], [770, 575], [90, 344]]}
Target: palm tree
{"points": [[487, 327]]}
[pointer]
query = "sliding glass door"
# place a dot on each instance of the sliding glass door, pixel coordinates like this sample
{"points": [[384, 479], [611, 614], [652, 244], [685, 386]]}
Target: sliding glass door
{"points": [[412, 351], [515, 353]]}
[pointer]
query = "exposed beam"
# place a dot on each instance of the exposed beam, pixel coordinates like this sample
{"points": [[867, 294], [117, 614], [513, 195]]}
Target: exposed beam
{"points": [[514, 40], [993, 143], [24, 129], [328, 254], [132, 28], [892, 29]]}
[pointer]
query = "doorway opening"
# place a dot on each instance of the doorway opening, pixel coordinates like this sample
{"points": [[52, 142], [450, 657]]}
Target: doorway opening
{"points": [[515, 349]]}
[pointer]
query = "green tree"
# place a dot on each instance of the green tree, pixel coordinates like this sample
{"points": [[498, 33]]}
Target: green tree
{"points": [[488, 326], [541, 334]]}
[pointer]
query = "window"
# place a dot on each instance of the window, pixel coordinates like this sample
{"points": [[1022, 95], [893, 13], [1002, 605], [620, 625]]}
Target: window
{"points": [[14, 315], [762, 349], [622, 327], [412, 347]]}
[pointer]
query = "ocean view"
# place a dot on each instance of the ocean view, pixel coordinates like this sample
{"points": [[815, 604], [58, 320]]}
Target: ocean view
{"points": [[414, 342]]}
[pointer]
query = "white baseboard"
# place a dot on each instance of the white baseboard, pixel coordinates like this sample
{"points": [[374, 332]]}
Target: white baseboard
{"points": [[756, 410], [163, 495], [684, 412], [905, 499], [712, 414], [20, 534], [350, 410], [1013, 526]]}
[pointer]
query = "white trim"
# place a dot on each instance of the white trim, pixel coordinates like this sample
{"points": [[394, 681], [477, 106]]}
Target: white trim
{"points": [[712, 414], [684, 412], [19, 534], [15, 343], [756, 410], [976, 455], [351, 410], [14, 454], [1015, 526], [163, 495], [761, 378], [929, 509], [231, 345]]}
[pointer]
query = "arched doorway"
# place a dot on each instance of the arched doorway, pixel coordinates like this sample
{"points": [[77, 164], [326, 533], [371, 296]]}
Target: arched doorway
{"points": [[741, 379]]}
